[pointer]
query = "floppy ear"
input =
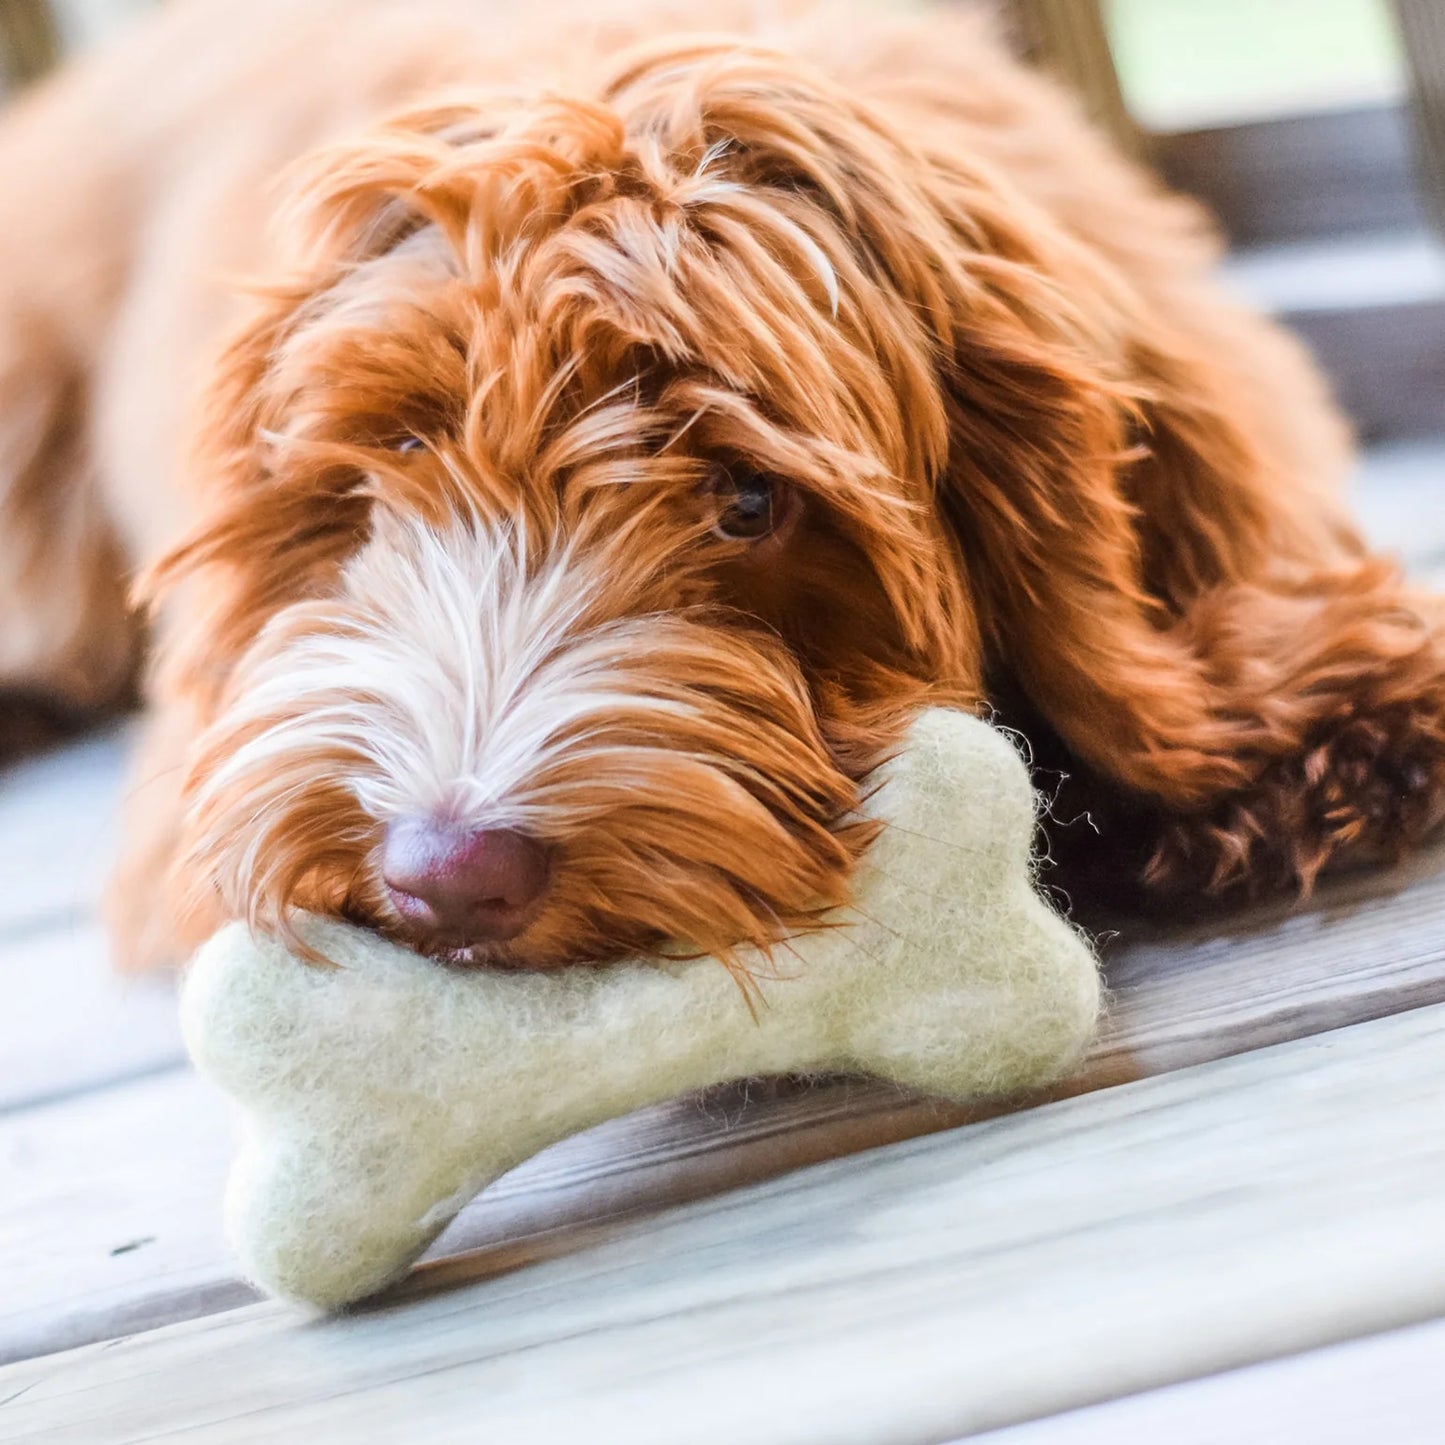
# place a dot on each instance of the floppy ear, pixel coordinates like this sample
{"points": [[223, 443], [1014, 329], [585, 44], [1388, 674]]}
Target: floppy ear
{"points": [[1050, 416], [1149, 479], [1004, 344], [1143, 478], [1140, 479], [1045, 488]]}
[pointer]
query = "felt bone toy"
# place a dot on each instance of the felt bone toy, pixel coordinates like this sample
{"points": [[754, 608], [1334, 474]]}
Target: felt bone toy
{"points": [[379, 1096]]}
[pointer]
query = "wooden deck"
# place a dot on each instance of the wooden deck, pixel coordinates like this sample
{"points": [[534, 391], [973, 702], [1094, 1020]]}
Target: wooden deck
{"points": [[1249, 1168]]}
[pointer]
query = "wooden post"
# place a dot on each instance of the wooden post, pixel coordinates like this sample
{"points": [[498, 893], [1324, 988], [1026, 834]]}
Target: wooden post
{"points": [[1422, 34], [1069, 39], [29, 41]]}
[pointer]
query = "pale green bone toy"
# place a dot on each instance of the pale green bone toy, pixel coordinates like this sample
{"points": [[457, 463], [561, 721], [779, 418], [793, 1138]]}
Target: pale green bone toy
{"points": [[379, 1097]]}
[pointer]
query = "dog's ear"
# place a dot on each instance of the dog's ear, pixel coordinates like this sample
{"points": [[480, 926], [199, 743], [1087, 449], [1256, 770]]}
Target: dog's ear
{"points": [[274, 519], [1005, 346]]}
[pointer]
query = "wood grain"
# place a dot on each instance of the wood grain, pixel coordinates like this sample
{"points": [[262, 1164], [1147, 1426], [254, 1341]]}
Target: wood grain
{"points": [[1374, 945], [59, 817], [1389, 1387], [1070, 40], [71, 1023], [111, 1214], [145, 1159], [29, 41], [1088, 1249], [1400, 493], [1422, 33]]}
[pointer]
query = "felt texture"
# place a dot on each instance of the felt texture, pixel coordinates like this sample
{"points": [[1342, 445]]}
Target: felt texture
{"points": [[379, 1096]]}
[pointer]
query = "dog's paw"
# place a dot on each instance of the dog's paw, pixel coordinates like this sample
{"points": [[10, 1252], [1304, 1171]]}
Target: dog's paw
{"points": [[1367, 791]]}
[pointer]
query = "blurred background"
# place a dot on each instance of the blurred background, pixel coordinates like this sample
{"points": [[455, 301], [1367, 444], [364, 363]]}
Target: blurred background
{"points": [[1315, 130]]}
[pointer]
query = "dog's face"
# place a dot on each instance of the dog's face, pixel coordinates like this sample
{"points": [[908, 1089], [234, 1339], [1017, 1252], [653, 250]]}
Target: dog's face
{"points": [[576, 546]]}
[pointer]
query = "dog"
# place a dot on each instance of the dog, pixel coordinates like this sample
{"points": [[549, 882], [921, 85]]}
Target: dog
{"points": [[555, 454]]}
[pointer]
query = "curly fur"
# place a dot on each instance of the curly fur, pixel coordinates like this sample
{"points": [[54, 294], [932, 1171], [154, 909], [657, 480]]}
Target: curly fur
{"points": [[1030, 449]]}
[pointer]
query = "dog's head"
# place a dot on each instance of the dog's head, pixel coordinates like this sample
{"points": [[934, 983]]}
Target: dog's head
{"points": [[593, 504]]}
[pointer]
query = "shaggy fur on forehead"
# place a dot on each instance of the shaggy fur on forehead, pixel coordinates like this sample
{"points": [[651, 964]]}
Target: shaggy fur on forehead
{"points": [[601, 280]]}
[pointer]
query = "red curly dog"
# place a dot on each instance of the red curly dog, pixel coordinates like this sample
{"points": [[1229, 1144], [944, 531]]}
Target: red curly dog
{"points": [[617, 441]]}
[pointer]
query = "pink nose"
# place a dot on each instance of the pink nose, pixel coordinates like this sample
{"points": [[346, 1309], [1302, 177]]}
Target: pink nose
{"points": [[462, 885]]}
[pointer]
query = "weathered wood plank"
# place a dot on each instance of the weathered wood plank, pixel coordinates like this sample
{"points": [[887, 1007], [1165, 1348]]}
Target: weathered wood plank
{"points": [[110, 1213], [1399, 268], [59, 816], [1373, 312], [1389, 1387], [1371, 946], [1374, 945], [1069, 39], [1422, 33], [1400, 493], [71, 1023], [29, 41], [1096, 1247], [1387, 365]]}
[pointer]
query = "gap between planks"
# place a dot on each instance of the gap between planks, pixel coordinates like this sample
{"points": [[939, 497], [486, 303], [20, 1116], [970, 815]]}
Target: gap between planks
{"points": [[1092, 1248], [143, 1160], [146, 1160], [1386, 1388]]}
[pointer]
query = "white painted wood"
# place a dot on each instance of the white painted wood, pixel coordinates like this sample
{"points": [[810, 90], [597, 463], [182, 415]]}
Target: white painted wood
{"points": [[1089, 1249], [71, 1023], [85, 23], [1385, 1390], [1369, 944], [1400, 493], [1179, 1000], [59, 817], [110, 1212], [1398, 268]]}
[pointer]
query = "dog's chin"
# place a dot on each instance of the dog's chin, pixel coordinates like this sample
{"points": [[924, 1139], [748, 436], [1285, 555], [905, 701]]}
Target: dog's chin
{"points": [[526, 951], [547, 942], [495, 957], [461, 954]]}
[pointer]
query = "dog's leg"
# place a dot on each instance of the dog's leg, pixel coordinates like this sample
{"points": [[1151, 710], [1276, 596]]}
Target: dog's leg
{"points": [[1324, 668], [1260, 696], [1244, 694], [1331, 689], [1335, 684]]}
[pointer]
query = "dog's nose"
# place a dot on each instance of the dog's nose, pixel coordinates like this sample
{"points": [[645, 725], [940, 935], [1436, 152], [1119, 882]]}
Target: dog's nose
{"points": [[465, 885]]}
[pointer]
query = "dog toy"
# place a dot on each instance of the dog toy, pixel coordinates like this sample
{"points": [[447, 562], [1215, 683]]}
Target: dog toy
{"points": [[379, 1096]]}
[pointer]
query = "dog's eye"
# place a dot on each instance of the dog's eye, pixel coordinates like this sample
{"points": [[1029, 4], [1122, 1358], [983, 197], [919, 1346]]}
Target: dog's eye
{"points": [[408, 443], [749, 505]]}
